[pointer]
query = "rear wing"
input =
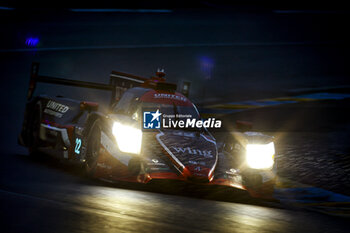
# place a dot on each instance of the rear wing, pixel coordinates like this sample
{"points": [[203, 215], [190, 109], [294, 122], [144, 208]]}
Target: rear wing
{"points": [[118, 83], [121, 82]]}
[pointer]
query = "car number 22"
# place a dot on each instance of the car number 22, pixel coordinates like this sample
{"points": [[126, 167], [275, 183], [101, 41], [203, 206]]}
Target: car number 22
{"points": [[77, 145]]}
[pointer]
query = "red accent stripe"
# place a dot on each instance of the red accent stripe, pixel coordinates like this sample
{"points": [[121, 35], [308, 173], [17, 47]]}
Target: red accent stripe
{"points": [[166, 175]]}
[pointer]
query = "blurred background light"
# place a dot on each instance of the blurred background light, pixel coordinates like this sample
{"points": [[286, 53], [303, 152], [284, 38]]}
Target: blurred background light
{"points": [[32, 41], [206, 66], [6, 8]]}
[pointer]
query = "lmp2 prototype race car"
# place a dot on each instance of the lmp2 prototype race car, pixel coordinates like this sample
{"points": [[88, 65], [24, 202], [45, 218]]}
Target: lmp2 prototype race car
{"points": [[115, 145]]}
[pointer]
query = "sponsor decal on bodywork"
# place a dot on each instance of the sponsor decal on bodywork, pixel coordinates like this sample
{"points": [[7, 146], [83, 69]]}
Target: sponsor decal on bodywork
{"points": [[191, 151], [185, 152], [170, 96], [55, 109]]}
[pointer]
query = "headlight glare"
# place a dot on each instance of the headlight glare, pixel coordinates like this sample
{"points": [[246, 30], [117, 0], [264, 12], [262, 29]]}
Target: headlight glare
{"points": [[260, 156], [128, 138]]}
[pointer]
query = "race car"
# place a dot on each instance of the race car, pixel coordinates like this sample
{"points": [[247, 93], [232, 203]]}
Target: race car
{"points": [[114, 145]]}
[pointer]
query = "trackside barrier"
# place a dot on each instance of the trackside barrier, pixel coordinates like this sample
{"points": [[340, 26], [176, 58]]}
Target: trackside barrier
{"points": [[312, 198]]}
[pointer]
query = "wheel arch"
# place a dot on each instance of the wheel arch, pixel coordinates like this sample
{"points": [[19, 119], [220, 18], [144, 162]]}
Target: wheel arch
{"points": [[92, 117]]}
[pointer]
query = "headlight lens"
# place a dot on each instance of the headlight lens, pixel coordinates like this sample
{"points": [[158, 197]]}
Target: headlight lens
{"points": [[260, 156], [128, 138]]}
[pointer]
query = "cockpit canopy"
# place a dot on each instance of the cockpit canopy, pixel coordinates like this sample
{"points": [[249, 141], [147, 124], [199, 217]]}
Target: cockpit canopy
{"points": [[135, 100]]}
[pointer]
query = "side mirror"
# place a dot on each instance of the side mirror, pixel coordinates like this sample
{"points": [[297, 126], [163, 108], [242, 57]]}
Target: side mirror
{"points": [[185, 90], [88, 106], [244, 126]]}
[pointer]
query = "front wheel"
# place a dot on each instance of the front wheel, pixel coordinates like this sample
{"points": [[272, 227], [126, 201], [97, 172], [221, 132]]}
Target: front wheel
{"points": [[93, 148]]}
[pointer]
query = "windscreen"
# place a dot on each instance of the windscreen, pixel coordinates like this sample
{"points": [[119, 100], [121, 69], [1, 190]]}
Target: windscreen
{"points": [[173, 110]]}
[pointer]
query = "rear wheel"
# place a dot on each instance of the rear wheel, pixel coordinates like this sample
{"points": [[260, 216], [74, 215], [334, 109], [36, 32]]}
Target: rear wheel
{"points": [[93, 148], [34, 140]]}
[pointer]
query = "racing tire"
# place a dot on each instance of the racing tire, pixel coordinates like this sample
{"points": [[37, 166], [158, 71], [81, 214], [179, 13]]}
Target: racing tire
{"points": [[35, 134], [93, 148]]}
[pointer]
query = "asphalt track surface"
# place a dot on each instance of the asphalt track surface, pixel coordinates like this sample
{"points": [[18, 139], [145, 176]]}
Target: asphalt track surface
{"points": [[266, 54], [47, 197]]}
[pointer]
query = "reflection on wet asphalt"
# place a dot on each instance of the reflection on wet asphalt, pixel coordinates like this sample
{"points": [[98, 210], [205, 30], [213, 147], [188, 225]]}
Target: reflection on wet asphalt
{"points": [[43, 196]]}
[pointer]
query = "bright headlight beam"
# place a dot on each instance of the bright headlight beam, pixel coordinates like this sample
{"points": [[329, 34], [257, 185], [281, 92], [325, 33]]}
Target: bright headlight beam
{"points": [[260, 156], [128, 138]]}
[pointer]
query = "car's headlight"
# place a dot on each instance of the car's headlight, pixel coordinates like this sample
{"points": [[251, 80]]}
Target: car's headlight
{"points": [[260, 156], [128, 138]]}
